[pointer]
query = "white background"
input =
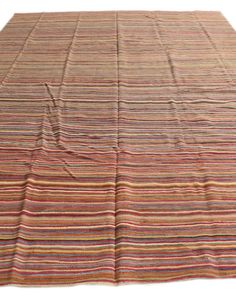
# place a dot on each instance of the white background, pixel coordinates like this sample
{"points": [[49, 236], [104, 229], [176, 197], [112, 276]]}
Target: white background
{"points": [[191, 291]]}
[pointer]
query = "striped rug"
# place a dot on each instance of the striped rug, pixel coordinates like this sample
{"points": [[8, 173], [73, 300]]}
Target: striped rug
{"points": [[117, 147]]}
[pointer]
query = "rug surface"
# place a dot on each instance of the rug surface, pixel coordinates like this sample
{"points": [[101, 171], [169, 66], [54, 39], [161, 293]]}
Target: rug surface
{"points": [[117, 147]]}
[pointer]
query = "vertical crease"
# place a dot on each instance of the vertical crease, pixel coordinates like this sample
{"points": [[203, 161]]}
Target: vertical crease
{"points": [[117, 140], [180, 140], [168, 56], [31, 163], [201, 165], [22, 49], [58, 103], [68, 55], [209, 38]]}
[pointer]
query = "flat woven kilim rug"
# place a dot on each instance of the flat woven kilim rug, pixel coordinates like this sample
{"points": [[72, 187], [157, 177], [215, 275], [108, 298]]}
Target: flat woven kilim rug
{"points": [[117, 147]]}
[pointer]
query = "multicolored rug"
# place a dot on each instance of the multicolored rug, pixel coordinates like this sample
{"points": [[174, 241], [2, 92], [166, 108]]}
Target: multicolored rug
{"points": [[117, 147]]}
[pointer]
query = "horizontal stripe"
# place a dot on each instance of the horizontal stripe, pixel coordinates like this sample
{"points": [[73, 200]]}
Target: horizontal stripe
{"points": [[117, 147]]}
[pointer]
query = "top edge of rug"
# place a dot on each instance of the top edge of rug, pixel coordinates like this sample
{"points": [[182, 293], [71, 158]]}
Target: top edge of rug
{"points": [[127, 14], [75, 13]]}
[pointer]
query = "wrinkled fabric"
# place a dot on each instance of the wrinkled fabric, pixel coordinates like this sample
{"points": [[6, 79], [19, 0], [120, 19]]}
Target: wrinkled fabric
{"points": [[117, 147]]}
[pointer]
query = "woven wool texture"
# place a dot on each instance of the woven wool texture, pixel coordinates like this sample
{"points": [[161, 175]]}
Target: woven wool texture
{"points": [[117, 147]]}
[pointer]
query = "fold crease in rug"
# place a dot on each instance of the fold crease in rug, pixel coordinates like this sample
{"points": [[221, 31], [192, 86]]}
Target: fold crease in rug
{"points": [[117, 147]]}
